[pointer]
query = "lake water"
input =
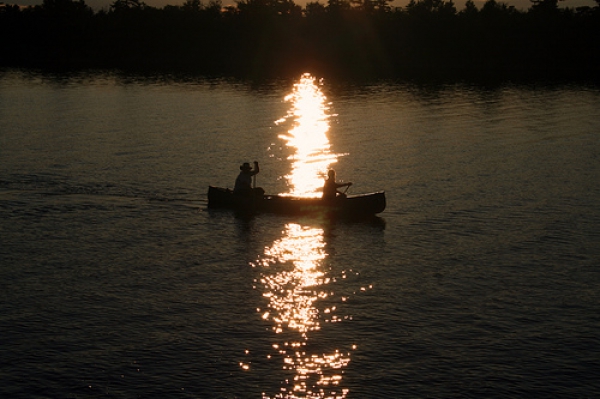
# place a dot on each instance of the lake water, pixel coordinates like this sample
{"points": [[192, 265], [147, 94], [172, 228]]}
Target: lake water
{"points": [[479, 280]]}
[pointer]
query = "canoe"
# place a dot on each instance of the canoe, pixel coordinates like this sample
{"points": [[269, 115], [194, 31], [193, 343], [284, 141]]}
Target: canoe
{"points": [[353, 206]]}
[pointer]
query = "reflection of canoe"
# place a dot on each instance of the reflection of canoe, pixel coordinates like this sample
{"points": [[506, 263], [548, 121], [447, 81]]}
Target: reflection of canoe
{"points": [[353, 206]]}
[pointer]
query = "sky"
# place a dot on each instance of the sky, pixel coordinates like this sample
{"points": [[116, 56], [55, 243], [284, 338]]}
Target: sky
{"points": [[104, 4]]}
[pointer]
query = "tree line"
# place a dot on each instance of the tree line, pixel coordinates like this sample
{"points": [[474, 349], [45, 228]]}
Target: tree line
{"points": [[278, 38]]}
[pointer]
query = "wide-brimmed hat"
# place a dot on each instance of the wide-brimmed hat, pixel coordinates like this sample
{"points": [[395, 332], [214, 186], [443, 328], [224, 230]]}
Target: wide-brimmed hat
{"points": [[245, 166]]}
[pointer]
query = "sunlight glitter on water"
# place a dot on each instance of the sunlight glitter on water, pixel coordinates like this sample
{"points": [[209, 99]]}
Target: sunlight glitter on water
{"points": [[292, 277], [291, 293], [312, 156], [293, 282]]}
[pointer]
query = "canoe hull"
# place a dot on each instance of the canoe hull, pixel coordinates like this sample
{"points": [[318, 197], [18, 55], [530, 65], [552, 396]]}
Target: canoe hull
{"points": [[354, 206]]}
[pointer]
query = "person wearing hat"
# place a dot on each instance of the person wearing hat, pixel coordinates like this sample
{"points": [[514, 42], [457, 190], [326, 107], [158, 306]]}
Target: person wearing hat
{"points": [[330, 188], [243, 183]]}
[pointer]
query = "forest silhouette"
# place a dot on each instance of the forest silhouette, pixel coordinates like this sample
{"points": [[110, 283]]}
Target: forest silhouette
{"points": [[278, 38]]}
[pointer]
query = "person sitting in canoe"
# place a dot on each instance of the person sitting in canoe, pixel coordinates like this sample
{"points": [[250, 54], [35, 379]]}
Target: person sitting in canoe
{"points": [[243, 183], [330, 188]]}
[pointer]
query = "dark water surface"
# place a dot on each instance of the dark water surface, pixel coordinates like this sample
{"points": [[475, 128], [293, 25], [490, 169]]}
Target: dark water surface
{"points": [[480, 280]]}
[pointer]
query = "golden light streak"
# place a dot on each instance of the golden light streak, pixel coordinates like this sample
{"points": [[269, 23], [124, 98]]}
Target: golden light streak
{"points": [[292, 277], [291, 293], [312, 156], [293, 282]]}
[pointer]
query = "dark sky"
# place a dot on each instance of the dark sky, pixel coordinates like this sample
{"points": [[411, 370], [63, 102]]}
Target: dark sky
{"points": [[519, 4]]}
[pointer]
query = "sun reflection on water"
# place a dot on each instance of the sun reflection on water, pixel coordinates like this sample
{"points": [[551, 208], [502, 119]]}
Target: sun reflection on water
{"points": [[293, 281], [292, 292], [311, 151], [297, 290]]}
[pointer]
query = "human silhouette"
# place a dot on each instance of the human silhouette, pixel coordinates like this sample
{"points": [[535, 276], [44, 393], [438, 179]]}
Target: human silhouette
{"points": [[330, 188], [243, 182]]}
